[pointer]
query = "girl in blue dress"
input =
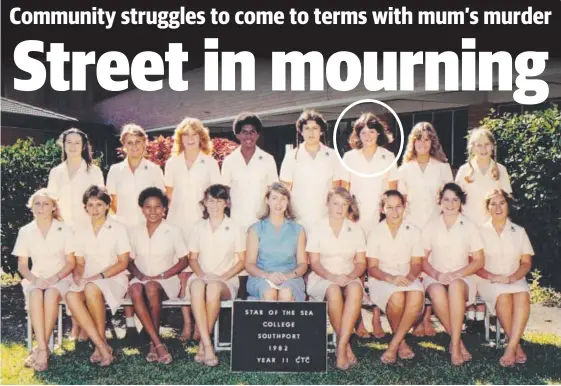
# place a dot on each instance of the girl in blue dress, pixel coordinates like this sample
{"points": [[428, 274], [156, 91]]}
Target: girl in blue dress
{"points": [[276, 251]]}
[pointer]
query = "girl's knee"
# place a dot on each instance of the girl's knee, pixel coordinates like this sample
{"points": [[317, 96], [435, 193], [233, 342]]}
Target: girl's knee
{"points": [[213, 290], [285, 294], [52, 295], [271, 294]]}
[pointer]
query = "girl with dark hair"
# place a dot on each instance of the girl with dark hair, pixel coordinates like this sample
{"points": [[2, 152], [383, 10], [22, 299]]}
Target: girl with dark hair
{"points": [[395, 252], [368, 156], [47, 241], [216, 254], [309, 171], [336, 248], [102, 255], [276, 251], [454, 253], [508, 259], [69, 180], [158, 255]]}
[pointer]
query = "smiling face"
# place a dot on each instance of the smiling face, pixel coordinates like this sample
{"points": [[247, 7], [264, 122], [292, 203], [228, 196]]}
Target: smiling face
{"points": [[134, 145], [215, 206], [368, 137], [337, 207], [498, 207], [73, 146], [43, 208], [248, 137], [311, 132], [96, 208], [483, 148], [191, 140], [394, 210], [277, 203], [450, 204], [423, 144], [153, 210]]}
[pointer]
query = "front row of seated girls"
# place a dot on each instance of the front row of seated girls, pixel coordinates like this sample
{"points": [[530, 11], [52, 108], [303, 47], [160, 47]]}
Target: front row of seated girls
{"points": [[90, 267]]}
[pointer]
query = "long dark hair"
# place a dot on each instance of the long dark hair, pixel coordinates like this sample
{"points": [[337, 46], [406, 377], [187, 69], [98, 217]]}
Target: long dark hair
{"points": [[87, 153], [387, 194]]}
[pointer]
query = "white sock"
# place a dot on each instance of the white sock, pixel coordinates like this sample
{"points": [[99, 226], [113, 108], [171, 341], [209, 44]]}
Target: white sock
{"points": [[479, 315], [130, 322], [471, 315]]}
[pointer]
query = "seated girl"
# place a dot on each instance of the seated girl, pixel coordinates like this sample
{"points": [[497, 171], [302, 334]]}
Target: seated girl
{"points": [[336, 247], [159, 255], [276, 251]]}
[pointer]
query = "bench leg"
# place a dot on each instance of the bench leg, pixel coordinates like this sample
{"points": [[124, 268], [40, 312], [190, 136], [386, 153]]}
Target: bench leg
{"points": [[59, 338], [498, 333], [216, 332], [29, 333], [51, 342], [487, 324]]}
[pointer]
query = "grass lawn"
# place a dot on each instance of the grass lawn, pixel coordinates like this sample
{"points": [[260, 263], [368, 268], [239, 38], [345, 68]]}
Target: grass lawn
{"points": [[70, 365]]}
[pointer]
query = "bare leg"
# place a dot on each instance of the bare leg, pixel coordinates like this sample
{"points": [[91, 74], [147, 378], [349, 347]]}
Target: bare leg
{"points": [[215, 291], [361, 330], [51, 299], [36, 310], [520, 318], [427, 323], [394, 312], [457, 296], [439, 299], [504, 312], [377, 329], [413, 309], [285, 295], [185, 310], [271, 294], [96, 307], [141, 308], [155, 294], [351, 312], [334, 296]]}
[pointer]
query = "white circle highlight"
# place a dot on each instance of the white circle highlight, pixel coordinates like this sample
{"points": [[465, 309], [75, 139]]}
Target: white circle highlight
{"points": [[400, 144]]}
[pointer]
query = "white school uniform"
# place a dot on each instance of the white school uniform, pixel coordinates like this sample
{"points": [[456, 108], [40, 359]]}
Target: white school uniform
{"points": [[394, 257], [451, 248], [126, 185], [71, 191], [336, 253], [474, 209], [100, 252], [422, 188], [155, 255], [502, 257], [217, 251], [189, 186], [248, 183], [368, 191], [48, 254], [311, 179]]}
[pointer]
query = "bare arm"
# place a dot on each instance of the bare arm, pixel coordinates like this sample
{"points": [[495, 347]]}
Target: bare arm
{"points": [[237, 268], [194, 263], [428, 268], [114, 201], [176, 268], [121, 264], [133, 269], [476, 263], [319, 269], [251, 256], [301, 258], [375, 271], [415, 268], [522, 271], [360, 266], [23, 269]]}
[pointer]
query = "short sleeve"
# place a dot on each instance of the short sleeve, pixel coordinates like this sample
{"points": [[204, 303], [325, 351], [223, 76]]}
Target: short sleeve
{"points": [[21, 248], [272, 175], [313, 241], [240, 240], [526, 244], [359, 241], [111, 181], [447, 173], [402, 183], [475, 241], [417, 249], [504, 180], [52, 184], [287, 167], [179, 245], [226, 171], [372, 246], [123, 241], [158, 178], [426, 237], [69, 246], [194, 244], [341, 172], [460, 176], [215, 177], [393, 174], [168, 174]]}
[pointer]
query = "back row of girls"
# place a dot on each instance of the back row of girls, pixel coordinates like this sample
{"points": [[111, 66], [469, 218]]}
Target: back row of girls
{"points": [[309, 171]]}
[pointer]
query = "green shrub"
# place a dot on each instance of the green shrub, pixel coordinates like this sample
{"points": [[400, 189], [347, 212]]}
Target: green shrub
{"points": [[546, 296], [25, 169], [529, 145]]}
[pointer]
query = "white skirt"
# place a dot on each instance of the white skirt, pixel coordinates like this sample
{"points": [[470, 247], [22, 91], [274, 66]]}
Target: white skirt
{"points": [[317, 286], [380, 291], [171, 285], [62, 286], [469, 280], [113, 288], [233, 285], [491, 291]]}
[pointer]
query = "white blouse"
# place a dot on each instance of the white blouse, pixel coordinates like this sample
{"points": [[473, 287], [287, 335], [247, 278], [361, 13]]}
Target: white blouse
{"points": [[156, 254], [217, 250], [311, 179], [422, 188], [126, 185], [48, 254], [450, 248], [503, 252], [71, 191], [395, 254], [101, 251]]}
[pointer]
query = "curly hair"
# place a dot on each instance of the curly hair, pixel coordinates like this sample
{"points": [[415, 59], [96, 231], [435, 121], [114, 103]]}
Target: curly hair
{"points": [[370, 121], [195, 126], [303, 119], [416, 134]]}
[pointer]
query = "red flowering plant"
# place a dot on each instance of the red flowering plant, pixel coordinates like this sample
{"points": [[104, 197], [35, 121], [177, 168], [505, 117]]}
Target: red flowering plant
{"points": [[158, 150]]}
